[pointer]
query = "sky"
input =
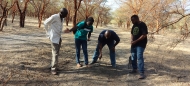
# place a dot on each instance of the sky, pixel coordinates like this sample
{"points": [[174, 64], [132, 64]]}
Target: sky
{"points": [[112, 4]]}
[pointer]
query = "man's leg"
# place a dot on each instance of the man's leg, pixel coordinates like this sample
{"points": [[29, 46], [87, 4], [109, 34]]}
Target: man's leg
{"points": [[134, 59], [77, 46], [140, 59], [84, 48], [96, 53], [112, 54], [59, 45], [55, 54]]}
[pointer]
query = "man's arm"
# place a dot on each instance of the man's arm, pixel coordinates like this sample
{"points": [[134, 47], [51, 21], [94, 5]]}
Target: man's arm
{"points": [[100, 42], [100, 51], [117, 39], [139, 39], [116, 43], [73, 29], [89, 35], [47, 22], [100, 47], [131, 37], [144, 34]]}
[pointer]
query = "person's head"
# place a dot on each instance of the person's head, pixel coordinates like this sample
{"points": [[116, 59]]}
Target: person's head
{"points": [[63, 12], [107, 34], [90, 21], [135, 19]]}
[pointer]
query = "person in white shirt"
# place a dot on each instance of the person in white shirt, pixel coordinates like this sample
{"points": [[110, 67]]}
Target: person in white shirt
{"points": [[53, 26]]}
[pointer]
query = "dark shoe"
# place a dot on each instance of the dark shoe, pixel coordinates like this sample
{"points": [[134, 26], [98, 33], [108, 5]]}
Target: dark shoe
{"points": [[49, 68], [114, 66], [93, 62], [142, 76], [133, 71]]}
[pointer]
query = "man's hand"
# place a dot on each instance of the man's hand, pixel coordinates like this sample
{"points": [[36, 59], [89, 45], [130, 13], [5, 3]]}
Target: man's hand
{"points": [[133, 42], [100, 56], [113, 49], [66, 31], [47, 34], [139, 39], [89, 39]]}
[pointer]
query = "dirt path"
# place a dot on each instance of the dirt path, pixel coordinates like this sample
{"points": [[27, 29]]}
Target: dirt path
{"points": [[25, 54]]}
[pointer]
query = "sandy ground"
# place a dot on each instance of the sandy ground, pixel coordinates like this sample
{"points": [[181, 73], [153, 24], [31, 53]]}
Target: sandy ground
{"points": [[25, 54]]}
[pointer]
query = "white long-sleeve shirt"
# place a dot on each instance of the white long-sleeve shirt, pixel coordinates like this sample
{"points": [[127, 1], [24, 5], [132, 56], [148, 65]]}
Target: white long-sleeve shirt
{"points": [[53, 27]]}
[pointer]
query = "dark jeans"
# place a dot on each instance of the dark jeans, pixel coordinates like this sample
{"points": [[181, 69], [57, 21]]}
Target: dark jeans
{"points": [[112, 53], [137, 55], [78, 43]]}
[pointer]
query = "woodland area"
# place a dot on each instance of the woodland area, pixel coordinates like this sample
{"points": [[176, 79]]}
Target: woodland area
{"points": [[25, 51], [158, 14], [41, 9]]}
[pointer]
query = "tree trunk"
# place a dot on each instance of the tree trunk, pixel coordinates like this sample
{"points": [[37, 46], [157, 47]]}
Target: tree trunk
{"points": [[13, 16], [22, 19], [40, 21], [128, 24], [22, 13], [75, 13], [67, 22], [5, 21], [157, 26], [67, 19], [74, 18], [76, 7], [40, 16], [3, 24], [98, 21], [1, 21], [4, 16]]}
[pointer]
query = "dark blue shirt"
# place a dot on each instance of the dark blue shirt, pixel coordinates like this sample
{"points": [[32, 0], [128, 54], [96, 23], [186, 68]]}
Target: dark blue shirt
{"points": [[113, 37]]}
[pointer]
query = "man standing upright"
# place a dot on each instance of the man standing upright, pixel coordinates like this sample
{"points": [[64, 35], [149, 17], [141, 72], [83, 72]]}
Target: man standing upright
{"points": [[81, 30], [138, 44], [110, 38], [53, 26]]}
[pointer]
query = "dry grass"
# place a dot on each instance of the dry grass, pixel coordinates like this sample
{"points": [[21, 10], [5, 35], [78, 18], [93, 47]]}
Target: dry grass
{"points": [[26, 53]]}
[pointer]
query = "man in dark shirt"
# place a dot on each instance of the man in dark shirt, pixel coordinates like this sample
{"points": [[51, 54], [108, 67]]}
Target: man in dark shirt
{"points": [[110, 38], [138, 44]]}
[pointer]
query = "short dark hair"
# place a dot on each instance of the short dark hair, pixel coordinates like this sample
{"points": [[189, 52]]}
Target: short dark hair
{"points": [[91, 19], [135, 16], [64, 10]]}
